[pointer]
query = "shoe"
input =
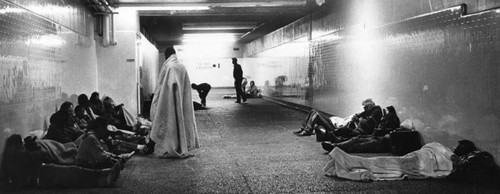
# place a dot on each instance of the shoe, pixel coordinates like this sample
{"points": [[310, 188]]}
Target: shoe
{"points": [[299, 131], [327, 146], [305, 133], [244, 100], [149, 148], [237, 101]]}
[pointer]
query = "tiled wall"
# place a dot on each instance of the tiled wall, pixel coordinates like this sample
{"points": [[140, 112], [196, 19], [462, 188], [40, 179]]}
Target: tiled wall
{"points": [[437, 63], [45, 59]]}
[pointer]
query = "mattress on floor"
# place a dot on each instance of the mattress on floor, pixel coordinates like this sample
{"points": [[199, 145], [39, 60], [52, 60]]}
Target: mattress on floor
{"points": [[72, 176]]}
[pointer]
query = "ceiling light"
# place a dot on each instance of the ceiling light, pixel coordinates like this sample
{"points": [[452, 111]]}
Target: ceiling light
{"points": [[211, 37], [167, 8], [219, 26]]}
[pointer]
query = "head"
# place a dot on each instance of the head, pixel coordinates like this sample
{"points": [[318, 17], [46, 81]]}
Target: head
{"points": [[100, 128], [94, 96], [235, 61], [368, 104], [169, 51], [15, 141], [67, 109], [252, 83], [194, 86], [391, 109], [83, 100], [108, 104], [80, 112], [464, 147]]}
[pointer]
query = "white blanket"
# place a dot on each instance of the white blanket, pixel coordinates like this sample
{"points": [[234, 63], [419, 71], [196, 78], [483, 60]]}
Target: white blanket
{"points": [[339, 122], [432, 160], [174, 128]]}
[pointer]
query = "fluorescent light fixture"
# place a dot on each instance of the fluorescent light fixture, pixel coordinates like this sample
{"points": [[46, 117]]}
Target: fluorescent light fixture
{"points": [[211, 37], [219, 26], [168, 8], [274, 3]]}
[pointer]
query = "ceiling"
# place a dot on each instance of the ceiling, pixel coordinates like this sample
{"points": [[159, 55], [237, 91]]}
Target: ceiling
{"points": [[247, 20]]}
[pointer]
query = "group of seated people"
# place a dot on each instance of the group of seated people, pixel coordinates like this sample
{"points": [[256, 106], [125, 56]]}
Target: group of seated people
{"points": [[364, 132], [252, 92], [93, 135], [369, 132]]}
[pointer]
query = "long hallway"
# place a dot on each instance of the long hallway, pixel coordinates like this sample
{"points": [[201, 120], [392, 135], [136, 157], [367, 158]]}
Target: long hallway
{"points": [[250, 148]]}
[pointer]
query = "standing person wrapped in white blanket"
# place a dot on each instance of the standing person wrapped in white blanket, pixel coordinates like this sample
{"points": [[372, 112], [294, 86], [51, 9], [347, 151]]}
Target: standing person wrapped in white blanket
{"points": [[174, 130]]}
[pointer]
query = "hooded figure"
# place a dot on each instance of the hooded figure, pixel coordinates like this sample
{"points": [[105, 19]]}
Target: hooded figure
{"points": [[174, 128]]}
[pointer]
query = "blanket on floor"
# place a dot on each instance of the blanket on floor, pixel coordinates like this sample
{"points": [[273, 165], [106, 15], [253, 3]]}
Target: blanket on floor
{"points": [[57, 153], [433, 160]]}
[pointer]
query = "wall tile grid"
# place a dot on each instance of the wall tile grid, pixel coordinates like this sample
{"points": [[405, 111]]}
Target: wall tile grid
{"points": [[439, 69], [35, 67]]}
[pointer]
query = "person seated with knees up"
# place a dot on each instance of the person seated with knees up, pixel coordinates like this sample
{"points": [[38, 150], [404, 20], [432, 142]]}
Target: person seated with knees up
{"points": [[363, 123], [115, 115], [83, 101], [91, 152], [203, 90], [63, 126], [82, 118], [377, 142], [96, 103], [253, 91]]}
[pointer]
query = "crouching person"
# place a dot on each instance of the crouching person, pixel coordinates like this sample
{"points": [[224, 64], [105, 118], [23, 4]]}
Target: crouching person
{"points": [[91, 153]]}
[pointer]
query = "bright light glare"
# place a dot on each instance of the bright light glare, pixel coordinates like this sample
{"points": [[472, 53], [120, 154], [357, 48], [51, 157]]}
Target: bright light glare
{"points": [[11, 10], [46, 40]]}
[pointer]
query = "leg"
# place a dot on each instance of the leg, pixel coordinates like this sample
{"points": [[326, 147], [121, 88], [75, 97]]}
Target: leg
{"points": [[237, 87], [203, 97]]}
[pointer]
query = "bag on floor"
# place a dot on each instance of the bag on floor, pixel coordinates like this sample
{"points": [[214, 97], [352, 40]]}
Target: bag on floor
{"points": [[403, 142]]}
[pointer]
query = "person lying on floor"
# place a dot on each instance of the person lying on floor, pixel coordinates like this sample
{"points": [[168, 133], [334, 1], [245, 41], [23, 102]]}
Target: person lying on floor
{"points": [[91, 153], [52, 151], [377, 142], [63, 126], [19, 166], [363, 123], [433, 160]]}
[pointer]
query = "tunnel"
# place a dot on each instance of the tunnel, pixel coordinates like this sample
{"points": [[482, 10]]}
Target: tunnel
{"points": [[435, 61]]}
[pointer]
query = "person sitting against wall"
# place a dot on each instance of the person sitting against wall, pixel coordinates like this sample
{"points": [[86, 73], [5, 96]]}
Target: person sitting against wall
{"points": [[115, 115], [83, 101], [63, 126], [96, 103], [377, 142], [124, 142], [363, 123], [253, 91], [82, 118], [91, 152]]}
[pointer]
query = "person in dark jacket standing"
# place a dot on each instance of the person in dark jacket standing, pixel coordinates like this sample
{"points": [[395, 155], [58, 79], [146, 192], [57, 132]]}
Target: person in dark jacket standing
{"points": [[238, 77]]}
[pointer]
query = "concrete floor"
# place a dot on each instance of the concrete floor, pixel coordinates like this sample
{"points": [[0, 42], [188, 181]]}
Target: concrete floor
{"points": [[250, 148]]}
